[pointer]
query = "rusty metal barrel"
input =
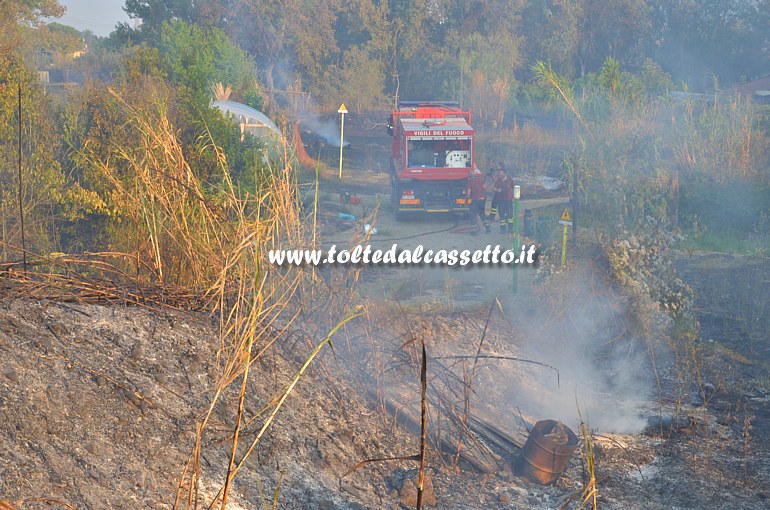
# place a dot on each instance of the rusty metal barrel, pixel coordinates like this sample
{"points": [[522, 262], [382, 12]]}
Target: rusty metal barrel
{"points": [[547, 452]]}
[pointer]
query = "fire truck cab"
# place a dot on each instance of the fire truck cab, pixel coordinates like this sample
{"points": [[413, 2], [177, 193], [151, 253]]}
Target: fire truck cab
{"points": [[431, 157]]}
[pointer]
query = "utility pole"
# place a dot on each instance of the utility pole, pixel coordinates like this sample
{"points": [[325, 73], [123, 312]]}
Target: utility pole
{"points": [[21, 189]]}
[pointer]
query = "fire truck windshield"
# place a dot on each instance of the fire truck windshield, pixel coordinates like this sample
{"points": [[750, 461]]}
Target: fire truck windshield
{"points": [[439, 153]]}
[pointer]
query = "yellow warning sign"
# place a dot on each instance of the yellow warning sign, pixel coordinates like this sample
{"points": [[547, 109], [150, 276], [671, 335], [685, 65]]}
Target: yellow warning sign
{"points": [[565, 217], [342, 109]]}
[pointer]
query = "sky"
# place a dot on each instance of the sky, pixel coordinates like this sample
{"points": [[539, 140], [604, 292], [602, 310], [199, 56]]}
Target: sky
{"points": [[98, 16]]}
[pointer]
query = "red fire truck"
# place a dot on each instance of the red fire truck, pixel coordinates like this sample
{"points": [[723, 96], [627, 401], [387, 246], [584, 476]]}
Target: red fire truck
{"points": [[431, 157]]}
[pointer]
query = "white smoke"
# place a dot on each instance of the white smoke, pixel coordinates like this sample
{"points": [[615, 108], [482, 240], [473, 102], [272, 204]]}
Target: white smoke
{"points": [[604, 373], [327, 129]]}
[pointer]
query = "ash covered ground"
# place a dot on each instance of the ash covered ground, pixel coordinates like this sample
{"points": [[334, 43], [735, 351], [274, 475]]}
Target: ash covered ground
{"points": [[99, 406]]}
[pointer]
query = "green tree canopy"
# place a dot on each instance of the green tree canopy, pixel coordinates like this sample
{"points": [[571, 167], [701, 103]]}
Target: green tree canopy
{"points": [[196, 58], [17, 13]]}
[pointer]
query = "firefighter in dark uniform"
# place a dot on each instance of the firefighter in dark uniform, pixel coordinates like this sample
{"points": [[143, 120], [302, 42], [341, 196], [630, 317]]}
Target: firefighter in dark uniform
{"points": [[489, 186], [504, 200], [477, 194]]}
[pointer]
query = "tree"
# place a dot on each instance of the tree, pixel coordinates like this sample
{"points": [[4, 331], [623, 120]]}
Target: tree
{"points": [[728, 38], [289, 38], [196, 58], [614, 28], [46, 193], [391, 33], [474, 53], [553, 33], [361, 80], [52, 45], [577, 36], [17, 13], [154, 13]]}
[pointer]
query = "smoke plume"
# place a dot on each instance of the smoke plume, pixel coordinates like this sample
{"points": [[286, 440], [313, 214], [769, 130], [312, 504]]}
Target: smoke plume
{"points": [[604, 370], [327, 129]]}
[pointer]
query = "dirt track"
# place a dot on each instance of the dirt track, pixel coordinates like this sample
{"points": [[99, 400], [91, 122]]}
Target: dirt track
{"points": [[364, 176]]}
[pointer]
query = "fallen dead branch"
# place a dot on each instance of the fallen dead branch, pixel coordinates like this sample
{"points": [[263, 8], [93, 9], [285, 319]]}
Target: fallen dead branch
{"points": [[90, 278], [4, 505]]}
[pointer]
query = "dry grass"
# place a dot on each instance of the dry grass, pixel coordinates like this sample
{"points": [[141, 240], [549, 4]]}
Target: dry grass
{"points": [[199, 244], [525, 150], [721, 140], [587, 497]]}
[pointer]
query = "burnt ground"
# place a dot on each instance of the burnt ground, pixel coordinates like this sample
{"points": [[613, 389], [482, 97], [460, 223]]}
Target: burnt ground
{"points": [[731, 303], [98, 404]]}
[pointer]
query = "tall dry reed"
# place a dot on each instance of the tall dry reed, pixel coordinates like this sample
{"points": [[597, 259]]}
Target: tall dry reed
{"points": [[213, 235]]}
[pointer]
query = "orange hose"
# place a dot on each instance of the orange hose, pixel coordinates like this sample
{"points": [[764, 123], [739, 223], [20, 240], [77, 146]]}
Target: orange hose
{"points": [[304, 158]]}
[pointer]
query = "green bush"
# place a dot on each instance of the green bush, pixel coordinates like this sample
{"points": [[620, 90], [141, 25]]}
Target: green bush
{"points": [[733, 206]]}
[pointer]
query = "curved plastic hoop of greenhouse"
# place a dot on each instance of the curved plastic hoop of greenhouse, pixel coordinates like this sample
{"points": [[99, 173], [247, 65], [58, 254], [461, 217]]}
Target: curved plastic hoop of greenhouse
{"points": [[251, 120]]}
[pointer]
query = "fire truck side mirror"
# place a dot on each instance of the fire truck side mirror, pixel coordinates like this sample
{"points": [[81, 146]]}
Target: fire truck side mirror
{"points": [[390, 125]]}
